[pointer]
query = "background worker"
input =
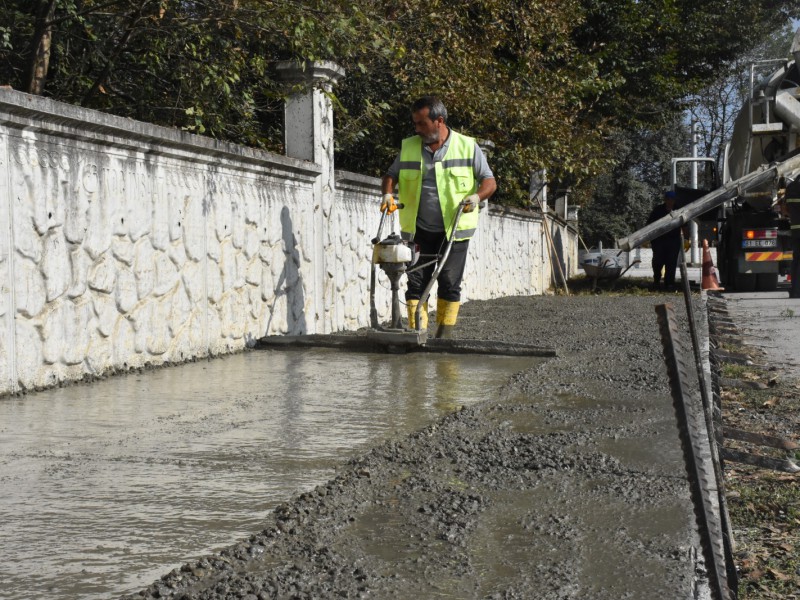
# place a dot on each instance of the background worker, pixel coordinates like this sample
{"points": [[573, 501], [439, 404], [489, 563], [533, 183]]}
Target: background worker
{"points": [[791, 208], [435, 170], [666, 247]]}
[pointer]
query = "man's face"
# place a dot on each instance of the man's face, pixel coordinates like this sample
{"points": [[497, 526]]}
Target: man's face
{"points": [[430, 131]]}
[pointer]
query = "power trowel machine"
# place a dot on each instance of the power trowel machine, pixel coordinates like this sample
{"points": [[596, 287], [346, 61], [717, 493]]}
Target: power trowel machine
{"points": [[395, 257]]}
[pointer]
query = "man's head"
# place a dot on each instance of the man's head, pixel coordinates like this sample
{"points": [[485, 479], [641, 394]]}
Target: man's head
{"points": [[669, 199], [430, 117]]}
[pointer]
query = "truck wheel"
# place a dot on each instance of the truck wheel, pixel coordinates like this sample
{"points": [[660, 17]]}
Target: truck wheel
{"points": [[767, 282], [744, 282]]}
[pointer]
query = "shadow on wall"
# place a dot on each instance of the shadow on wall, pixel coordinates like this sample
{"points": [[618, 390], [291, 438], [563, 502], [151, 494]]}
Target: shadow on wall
{"points": [[290, 282], [558, 256]]}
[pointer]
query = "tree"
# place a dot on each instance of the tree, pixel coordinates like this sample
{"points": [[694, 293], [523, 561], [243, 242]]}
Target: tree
{"points": [[199, 65], [551, 82], [708, 48], [658, 52], [508, 72], [623, 198], [717, 105], [41, 43]]}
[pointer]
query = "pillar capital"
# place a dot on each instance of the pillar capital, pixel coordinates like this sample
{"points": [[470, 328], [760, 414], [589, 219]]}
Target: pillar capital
{"points": [[324, 74], [486, 146]]}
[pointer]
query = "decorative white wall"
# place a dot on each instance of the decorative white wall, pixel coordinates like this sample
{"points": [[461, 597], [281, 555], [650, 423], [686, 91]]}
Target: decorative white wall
{"points": [[124, 245]]}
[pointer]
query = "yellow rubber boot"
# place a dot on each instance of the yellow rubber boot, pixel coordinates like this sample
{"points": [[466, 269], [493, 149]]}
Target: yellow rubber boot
{"points": [[446, 316], [411, 306]]}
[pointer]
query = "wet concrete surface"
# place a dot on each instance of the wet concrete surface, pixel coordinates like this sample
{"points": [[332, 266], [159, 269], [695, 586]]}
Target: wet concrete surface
{"points": [[565, 482], [108, 485]]}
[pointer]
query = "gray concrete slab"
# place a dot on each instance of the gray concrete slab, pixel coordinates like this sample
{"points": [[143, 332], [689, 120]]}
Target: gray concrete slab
{"points": [[771, 322]]}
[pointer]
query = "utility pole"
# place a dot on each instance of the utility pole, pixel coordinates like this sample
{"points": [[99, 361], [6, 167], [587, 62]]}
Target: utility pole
{"points": [[694, 256]]}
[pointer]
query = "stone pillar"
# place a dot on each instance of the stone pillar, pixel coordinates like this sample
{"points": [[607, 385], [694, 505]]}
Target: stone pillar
{"points": [[572, 212], [309, 136], [487, 147], [8, 350]]}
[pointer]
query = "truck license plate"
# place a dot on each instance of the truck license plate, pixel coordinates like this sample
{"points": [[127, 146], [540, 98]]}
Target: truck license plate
{"points": [[760, 243]]}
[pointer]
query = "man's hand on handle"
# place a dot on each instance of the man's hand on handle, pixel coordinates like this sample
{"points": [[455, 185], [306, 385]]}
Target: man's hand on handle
{"points": [[388, 204], [471, 202]]}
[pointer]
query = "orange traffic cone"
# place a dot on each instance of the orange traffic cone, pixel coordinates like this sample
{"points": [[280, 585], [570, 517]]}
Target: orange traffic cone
{"points": [[709, 281]]}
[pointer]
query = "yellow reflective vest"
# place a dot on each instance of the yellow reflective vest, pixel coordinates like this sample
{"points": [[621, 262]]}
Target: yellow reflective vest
{"points": [[455, 180]]}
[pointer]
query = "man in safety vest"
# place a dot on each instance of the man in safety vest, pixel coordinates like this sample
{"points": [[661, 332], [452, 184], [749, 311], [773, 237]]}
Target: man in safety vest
{"points": [[667, 246], [435, 171]]}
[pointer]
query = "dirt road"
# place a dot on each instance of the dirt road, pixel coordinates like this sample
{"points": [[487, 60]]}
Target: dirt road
{"points": [[567, 482]]}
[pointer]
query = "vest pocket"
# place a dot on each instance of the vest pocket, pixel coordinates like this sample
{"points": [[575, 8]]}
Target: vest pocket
{"points": [[462, 178], [409, 176]]}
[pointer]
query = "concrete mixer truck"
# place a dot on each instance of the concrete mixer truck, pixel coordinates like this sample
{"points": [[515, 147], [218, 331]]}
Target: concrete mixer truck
{"points": [[761, 158]]}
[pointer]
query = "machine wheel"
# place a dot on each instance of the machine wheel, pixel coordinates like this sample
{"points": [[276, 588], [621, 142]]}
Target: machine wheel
{"points": [[767, 282], [744, 282]]}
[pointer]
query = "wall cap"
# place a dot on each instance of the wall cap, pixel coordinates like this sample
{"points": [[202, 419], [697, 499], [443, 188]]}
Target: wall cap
{"points": [[36, 113]]}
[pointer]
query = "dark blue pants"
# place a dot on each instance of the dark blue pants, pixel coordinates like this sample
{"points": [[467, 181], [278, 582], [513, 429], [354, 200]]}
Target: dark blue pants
{"points": [[449, 280], [665, 255]]}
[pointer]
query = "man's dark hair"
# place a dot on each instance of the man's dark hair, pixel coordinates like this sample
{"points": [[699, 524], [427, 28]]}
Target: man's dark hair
{"points": [[435, 107]]}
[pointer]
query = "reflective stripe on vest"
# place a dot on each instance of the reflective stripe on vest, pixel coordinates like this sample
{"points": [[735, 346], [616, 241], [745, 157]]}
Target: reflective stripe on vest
{"points": [[455, 180]]}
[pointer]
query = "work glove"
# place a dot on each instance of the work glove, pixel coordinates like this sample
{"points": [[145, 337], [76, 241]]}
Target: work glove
{"points": [[388, 204], [471, 202]]}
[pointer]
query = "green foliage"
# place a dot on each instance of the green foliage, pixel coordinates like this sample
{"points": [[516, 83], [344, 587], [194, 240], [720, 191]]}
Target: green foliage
{"points": [[623, 197], [202, 66], [662, 55], [716, 106], [507, 71], [554, 84], [656, 52]]}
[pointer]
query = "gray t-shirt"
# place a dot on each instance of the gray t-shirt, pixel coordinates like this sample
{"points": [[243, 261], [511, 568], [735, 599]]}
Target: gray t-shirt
{"points": [[429, 216]]}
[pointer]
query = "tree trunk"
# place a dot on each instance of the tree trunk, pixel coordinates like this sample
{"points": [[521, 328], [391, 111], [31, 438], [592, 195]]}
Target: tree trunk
{"points": [[40, 47]]}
